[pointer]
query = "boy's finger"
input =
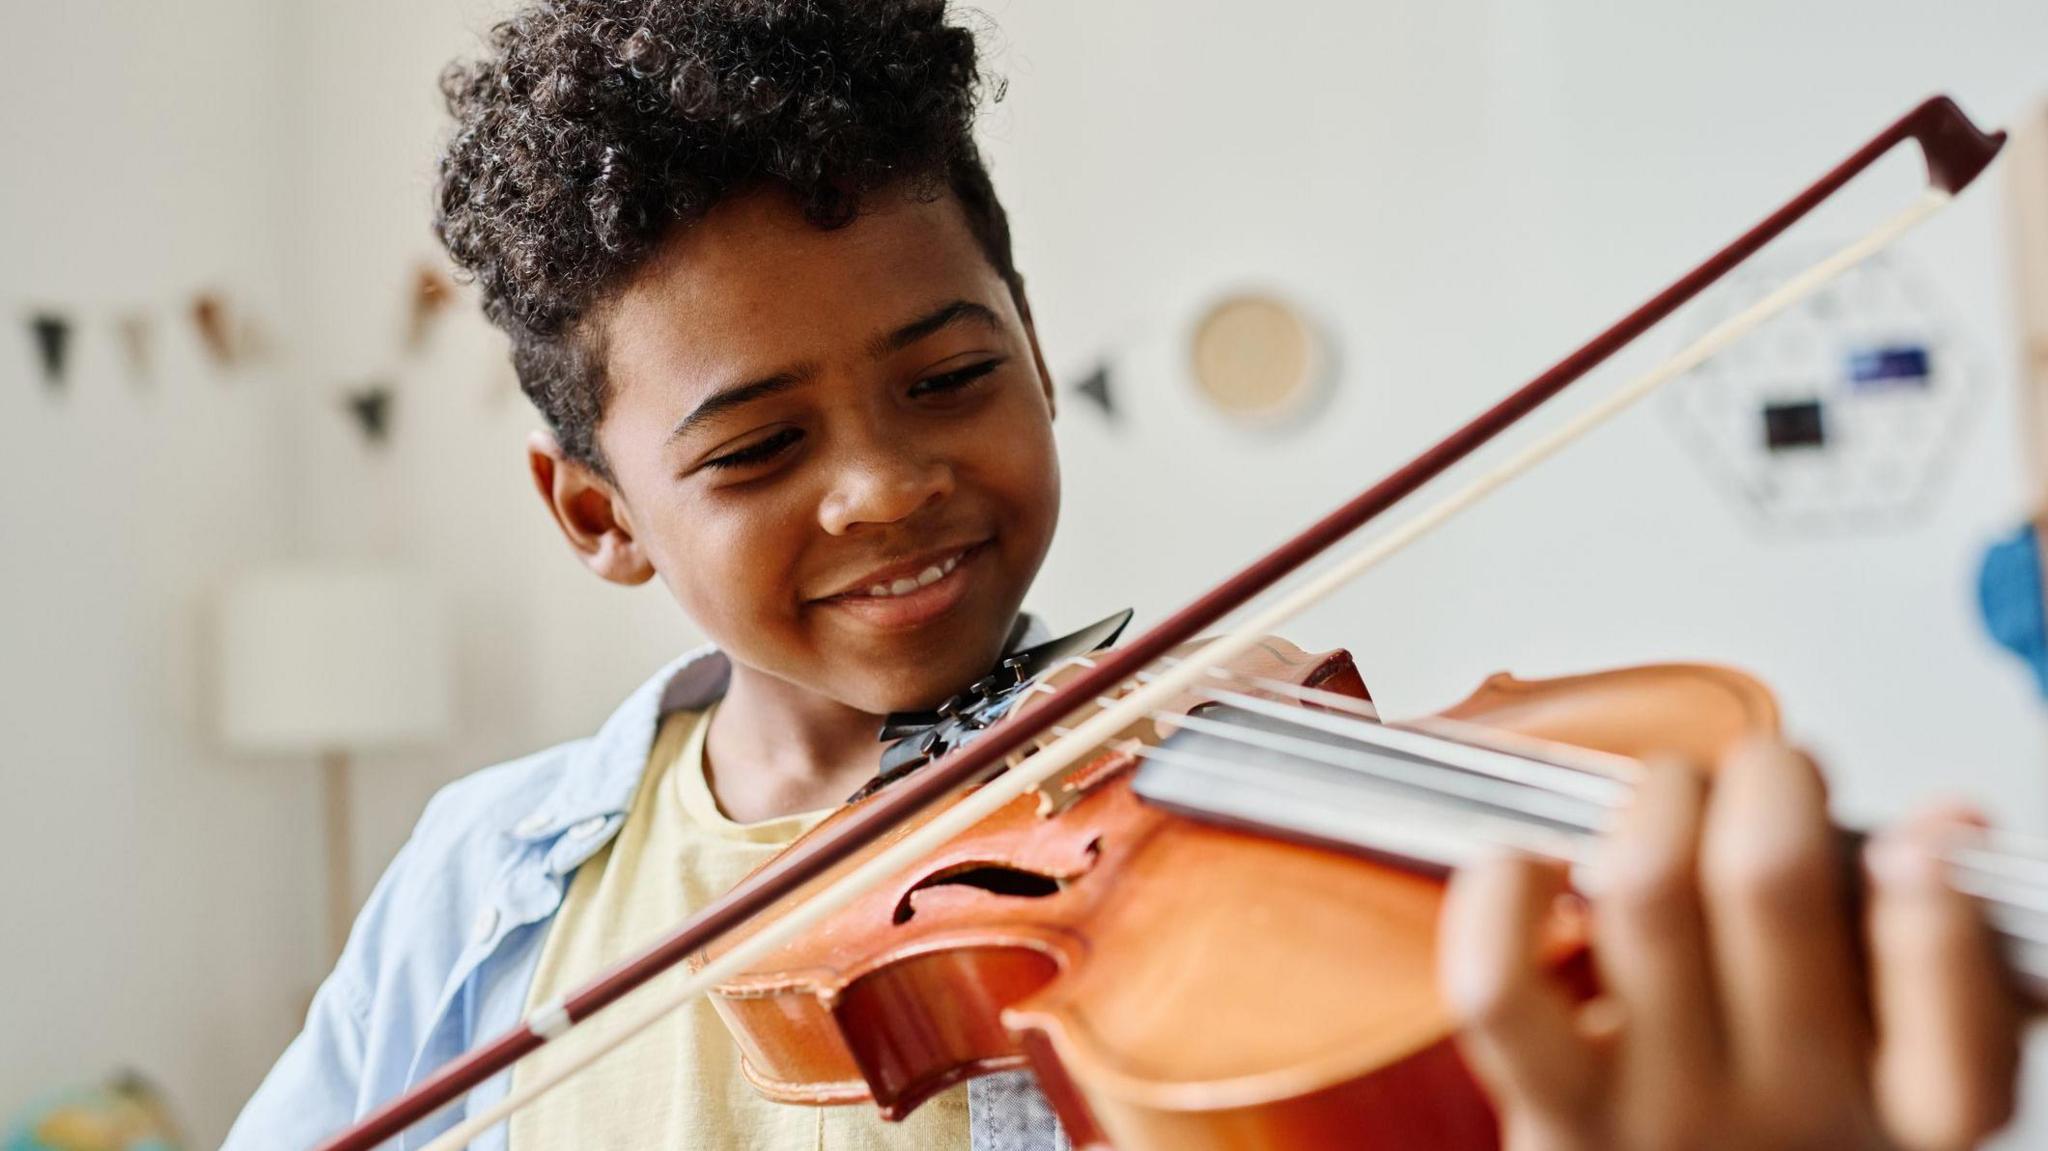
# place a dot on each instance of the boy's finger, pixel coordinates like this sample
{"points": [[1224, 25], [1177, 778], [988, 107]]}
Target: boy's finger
{"points": [[1948, 1026], [1650, 943], [1516, 1021], [1782, 946]]}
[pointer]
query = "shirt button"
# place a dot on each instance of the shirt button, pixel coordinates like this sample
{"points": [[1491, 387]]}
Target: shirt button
{"points": [[532, 825], [486, 923], [588, 827]]}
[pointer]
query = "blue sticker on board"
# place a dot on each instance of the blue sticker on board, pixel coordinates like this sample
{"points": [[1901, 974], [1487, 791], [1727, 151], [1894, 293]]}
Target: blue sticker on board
{"points": [[1899, 365], [2009, 595]]}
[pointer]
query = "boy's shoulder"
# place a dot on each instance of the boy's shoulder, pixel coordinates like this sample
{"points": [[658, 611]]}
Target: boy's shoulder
{"points": [[555, 790], [447, 890], [496, 802], [490, 847], [428, 966]]}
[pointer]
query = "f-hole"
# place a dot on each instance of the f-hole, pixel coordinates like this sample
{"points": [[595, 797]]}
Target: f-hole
{"points": [[994, 878]]}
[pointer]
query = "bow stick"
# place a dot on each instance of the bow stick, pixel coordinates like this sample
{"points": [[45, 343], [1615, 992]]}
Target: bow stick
{"points": [[1955, 151]]}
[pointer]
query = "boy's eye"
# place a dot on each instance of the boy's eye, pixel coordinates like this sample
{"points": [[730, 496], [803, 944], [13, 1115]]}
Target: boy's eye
{"points": [[757, 453], [955, 381]]}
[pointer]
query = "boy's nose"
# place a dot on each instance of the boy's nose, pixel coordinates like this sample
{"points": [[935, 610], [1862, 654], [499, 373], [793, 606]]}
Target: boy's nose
{"points": [[883, 487]]}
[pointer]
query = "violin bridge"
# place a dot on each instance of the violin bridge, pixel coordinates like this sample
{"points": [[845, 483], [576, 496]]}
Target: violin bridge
{"points": [[1068, 786]]}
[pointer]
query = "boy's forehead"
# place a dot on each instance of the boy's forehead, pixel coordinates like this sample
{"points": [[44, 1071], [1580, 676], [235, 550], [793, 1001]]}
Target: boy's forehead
{"points": [[753, 284]]}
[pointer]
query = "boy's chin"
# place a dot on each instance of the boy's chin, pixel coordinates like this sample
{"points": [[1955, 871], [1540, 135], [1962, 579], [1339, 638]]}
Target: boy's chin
{"points": [[927, 682], [919, 693], [924, 672]]}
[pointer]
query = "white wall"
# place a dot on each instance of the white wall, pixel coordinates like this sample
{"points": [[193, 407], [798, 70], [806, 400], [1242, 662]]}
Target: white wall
{"points": [[1461, 191], [159, 909], [548, 648], [1464, 192]]}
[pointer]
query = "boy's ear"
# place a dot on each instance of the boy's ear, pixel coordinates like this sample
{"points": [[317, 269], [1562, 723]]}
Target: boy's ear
{"points": [[592, 515], [1052, 404]]}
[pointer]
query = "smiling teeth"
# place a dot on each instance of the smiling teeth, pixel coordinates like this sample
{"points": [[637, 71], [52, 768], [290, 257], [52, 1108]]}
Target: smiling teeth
{"points": [[908, 584]]}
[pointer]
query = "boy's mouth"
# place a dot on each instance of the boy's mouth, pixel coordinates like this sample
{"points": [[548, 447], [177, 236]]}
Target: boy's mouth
{"points": [[912, 593]]}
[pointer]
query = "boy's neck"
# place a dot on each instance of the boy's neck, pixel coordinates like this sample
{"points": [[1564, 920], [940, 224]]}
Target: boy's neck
{"points": [[775, 749]]}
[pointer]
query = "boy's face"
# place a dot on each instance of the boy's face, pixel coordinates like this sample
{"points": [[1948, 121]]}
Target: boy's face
{"points": [[835, 447]]}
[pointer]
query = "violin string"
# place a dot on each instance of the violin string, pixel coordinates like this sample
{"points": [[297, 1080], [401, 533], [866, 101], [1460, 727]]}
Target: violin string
{"points": [[2014, 880], [1972, 877], [1993, 850], [1415, 828], [1525, 770], [1482, 770], [1445, 835], [1586, 773], [1585, 759], [1402, 780], [1492, 786]]}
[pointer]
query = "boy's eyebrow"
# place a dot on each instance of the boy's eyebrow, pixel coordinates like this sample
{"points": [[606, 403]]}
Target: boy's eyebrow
{"points": [[734, 397], [943, 316]]}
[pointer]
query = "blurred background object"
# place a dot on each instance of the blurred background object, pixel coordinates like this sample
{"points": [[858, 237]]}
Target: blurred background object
{"points": [[1258, 359], [319, 662], [124, 1114], [1455, 192], [2009, 584]]}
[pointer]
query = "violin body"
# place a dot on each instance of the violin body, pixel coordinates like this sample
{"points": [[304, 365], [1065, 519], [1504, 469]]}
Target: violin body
{"points": [[1173, 983]]}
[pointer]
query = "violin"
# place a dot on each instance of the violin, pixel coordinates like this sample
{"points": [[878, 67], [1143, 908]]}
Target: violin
{"points": [[1219, 930], [1180, 936], [1193, 886]]}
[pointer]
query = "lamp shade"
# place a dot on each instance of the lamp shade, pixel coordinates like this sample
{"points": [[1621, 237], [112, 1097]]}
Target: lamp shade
{"points": [[333, 659]]}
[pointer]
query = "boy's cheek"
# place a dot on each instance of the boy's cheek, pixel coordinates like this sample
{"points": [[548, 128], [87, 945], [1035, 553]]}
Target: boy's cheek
{"points": [[731, 583]]}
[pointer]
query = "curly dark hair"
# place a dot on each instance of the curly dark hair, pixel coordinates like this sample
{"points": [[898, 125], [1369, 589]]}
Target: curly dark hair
{"points": [[591, 127]]}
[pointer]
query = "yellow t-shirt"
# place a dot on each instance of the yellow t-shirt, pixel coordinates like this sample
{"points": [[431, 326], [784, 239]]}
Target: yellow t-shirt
{"points": [[677, 1086]]}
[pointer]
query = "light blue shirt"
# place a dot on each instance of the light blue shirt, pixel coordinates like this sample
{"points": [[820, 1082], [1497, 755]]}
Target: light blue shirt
{"points": [[444, 952]]}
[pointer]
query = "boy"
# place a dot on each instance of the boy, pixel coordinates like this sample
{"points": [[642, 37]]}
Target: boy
{"points": [[759, 285]]}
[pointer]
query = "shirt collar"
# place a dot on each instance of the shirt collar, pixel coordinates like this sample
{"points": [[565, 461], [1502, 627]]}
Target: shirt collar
{"points": [[604, 772]]}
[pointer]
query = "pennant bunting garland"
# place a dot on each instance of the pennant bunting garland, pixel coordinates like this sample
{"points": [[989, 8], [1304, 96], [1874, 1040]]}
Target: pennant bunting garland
{"points": [[229, 335]]}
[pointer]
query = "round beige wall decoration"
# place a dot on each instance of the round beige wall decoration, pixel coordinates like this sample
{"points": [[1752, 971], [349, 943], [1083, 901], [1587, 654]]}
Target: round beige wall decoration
{"points": [[1257, 358]]}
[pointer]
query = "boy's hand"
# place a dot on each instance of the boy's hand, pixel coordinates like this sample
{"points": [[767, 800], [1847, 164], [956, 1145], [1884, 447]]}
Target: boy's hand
{"points": [[1736, 1011]]}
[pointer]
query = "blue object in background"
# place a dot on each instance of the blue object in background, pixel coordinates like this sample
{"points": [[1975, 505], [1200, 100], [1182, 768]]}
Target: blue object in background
{"points": [[1885, 366], [2009, 593]]}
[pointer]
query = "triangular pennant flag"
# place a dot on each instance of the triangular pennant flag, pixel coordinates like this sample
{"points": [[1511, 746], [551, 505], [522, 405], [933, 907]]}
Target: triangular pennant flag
{"points": [[431, 293], [53, 344], [371, 407], [1095, 387], [216, 328], [137, 337]]}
